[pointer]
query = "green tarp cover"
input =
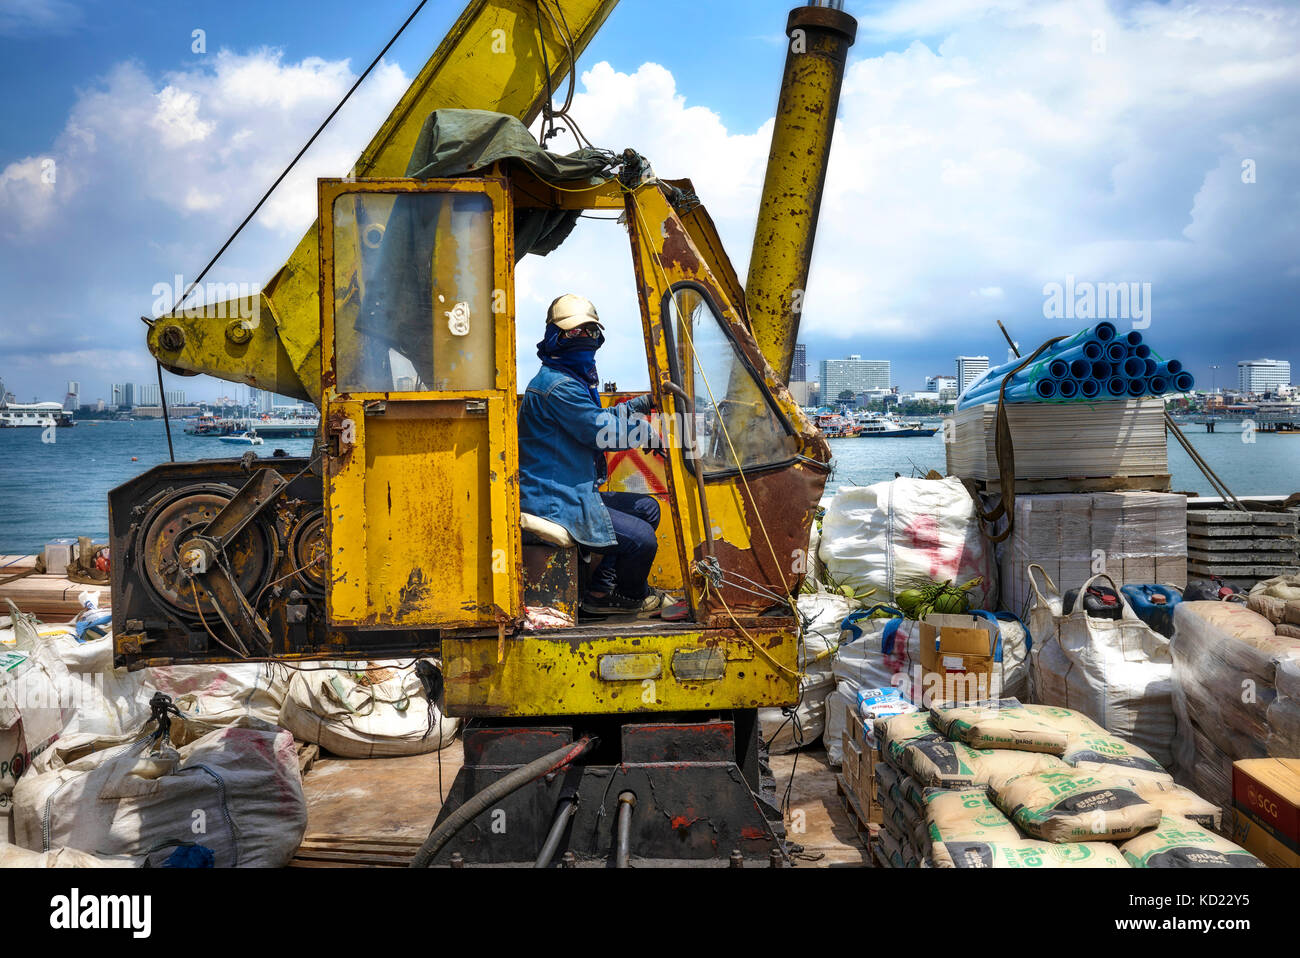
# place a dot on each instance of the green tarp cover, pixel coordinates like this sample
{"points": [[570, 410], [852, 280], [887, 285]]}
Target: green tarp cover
{"points": [[460, 142], [396, 311]]}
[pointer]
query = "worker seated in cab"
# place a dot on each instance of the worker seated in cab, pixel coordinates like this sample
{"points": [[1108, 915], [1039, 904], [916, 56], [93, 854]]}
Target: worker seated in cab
{"points": [[564, 434]]}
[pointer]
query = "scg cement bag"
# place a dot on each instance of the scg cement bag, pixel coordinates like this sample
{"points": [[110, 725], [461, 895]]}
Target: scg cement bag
{"points": [[944, 764], [1179, 843], [1117, 671], [905, 534], [999, 723], [1067, 805], [1026, 854], [896, 733], [966, 815], [1173, 800], [381, 711], [236, 791]]}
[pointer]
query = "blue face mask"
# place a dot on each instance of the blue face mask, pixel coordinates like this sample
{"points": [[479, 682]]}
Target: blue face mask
{"points": [[573, 355]]}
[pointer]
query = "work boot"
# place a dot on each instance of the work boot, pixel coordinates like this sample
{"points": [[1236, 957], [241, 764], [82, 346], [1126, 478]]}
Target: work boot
{"points": [[616, 604]]}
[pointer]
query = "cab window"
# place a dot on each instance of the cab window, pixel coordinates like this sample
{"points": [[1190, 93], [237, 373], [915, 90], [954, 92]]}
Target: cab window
{"points": [[413, 292], [734, 418]]}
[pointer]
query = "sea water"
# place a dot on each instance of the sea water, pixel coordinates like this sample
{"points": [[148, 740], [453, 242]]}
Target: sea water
{"points": [[52, 490]]}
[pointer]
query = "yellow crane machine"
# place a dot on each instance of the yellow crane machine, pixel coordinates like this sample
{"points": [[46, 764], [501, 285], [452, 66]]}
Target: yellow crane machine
{"points": [[611, 741]]}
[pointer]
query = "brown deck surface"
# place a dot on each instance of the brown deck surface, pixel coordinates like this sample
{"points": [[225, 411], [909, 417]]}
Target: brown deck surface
{"points": [[377, 811]]}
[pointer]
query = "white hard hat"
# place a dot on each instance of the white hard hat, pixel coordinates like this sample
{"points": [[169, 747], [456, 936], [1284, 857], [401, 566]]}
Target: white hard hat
{"points": [[570, 311]]}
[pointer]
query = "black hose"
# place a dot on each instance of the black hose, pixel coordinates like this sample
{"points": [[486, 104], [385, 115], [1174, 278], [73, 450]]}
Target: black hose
{"points": [[568, 807], [481, 801]]}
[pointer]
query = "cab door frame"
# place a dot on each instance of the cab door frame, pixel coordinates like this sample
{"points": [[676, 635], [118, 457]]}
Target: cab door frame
{"points": [[350, 601]]}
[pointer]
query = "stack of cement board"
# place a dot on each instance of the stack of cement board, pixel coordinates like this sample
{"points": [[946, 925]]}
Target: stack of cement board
{"points": [[1236, 545], [1065, 447], [1137, 538]]}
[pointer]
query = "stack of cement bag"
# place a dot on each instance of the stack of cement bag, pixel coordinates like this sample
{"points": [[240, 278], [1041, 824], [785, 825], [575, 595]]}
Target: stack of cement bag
{"points": [[1001, 784], [1118, 672], [1231, 671]]}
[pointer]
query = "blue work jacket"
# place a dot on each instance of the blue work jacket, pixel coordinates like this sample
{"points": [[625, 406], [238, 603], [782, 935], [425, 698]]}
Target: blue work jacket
{"points": [[561, 461]]}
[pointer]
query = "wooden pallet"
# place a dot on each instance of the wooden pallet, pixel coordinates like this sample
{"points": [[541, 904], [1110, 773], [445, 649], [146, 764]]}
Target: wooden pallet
{"points": [[865, 830], [347, 851], [1029, 487]]}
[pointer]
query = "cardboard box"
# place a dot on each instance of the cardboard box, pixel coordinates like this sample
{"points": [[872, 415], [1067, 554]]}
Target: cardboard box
{"points": [[957, 658], [1266, 809], [864, 786]]}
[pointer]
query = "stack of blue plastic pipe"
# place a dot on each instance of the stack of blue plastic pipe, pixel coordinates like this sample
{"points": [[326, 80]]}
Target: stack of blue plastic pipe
{"points": [[1095, 364]]}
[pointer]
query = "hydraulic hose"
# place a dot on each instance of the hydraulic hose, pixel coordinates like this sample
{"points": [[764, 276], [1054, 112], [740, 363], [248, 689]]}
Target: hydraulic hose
{"points": [[507, 784], [623, 853], [567, 809]]}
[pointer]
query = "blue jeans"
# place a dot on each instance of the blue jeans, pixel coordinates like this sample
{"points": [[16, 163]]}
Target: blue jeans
{"points": [[625, 567]]}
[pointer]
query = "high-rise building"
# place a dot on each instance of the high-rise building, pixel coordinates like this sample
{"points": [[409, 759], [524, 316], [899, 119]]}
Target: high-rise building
{"points": [[176, 397], [799, 367], [854, 374], [123, 395], [970, 368], [146, 394], [72, 399], [1260, 376]]}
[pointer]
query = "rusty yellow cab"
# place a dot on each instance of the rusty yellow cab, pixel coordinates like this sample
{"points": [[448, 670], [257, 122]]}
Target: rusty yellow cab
{"points": [[421, 455]]}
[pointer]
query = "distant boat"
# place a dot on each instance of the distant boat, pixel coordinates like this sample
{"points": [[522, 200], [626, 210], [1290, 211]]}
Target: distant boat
{"points": [[887, 427], [38, 415], [244, 439]]}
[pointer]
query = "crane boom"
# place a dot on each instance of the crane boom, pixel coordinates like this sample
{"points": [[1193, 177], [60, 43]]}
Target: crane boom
{"points": [[491, 59]]}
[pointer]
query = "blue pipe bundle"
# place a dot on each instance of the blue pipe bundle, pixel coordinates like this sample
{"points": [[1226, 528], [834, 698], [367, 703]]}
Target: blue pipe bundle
{"points": [[1095, 364]]}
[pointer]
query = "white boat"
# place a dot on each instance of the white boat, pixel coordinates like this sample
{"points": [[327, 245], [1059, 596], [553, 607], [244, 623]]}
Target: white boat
{"points": [[244, 439], [39, 415], [887, 427]]}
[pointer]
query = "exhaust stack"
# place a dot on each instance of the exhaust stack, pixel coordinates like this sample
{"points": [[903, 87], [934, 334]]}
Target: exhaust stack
{"points": [[820, 36]]}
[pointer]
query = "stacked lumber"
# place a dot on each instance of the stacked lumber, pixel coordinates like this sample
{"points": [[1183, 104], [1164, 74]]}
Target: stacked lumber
{"points": [[1070, 447], [51, 598], [1236, 545]]}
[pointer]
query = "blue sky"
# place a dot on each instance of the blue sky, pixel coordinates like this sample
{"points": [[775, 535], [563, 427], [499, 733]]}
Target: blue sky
{"points": [[985, 149]]}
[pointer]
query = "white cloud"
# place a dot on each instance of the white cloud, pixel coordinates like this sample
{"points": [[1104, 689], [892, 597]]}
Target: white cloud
{"points": [[993, 152], [26, 18]]}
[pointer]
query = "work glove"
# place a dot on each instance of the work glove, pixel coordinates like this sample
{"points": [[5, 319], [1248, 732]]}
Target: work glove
{"points": [[641, 404]]}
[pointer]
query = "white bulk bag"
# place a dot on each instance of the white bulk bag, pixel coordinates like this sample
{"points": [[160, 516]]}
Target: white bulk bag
{"points": [[1118, 672], [907, 534], [36, 701], [378, 712], [236, 791], [109, 701], [821, 614]]}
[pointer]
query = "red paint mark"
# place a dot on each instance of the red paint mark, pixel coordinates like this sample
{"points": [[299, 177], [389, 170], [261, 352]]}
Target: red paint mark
{"points": [[923, 534], [680, 822], [749, 831]]}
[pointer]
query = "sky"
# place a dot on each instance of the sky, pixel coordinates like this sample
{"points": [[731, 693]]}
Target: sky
{"points": [[984, 152]]}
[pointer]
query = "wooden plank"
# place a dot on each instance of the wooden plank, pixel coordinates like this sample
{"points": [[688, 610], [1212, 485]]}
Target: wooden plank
{"points": [[1159, 483]]}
